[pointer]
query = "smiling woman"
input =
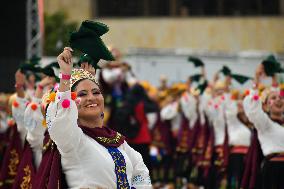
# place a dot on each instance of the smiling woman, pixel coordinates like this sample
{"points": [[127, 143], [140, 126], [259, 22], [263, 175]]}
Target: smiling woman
{"points": [[92, 155]]}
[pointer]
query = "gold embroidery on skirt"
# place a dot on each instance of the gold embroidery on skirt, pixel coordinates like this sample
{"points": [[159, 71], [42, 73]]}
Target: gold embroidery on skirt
{"points": [[13, 162], [26, 183]]}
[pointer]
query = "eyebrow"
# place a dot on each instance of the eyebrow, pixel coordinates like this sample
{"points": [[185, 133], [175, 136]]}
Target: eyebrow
{"points": [[96, 89], [82, 91]]}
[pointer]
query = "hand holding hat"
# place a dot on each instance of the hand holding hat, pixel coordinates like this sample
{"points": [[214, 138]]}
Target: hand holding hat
{"points": [[65, 61], [88, 40]]}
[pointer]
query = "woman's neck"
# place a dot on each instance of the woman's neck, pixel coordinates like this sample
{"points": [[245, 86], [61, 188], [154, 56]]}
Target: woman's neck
{"points": [[91, 123], [276, 117]]}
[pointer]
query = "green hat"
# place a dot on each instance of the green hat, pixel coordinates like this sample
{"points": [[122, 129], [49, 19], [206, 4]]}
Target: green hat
{"points": [[195, 77], [88, 59], [226, 71], [271, 66], [31, 65], [196, 61], [239, 78], [48, 70], [87, 40], [202, 86]]}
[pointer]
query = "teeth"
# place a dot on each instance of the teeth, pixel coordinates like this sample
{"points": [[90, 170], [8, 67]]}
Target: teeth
{"points": [[92, 105]]}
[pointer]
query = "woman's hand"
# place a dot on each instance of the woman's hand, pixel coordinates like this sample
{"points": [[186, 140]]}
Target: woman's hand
{"points": [[47, 81], [88, 67], [259, 72], [20, 79], [65, 61]]}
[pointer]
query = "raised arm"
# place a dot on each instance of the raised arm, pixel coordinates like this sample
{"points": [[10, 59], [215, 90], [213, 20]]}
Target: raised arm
{"points": [[19, 106], [62, 113], [33, 120], [253, 109]]}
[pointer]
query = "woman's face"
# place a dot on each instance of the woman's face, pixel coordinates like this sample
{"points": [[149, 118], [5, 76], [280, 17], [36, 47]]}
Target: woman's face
{"points": [[91, 103], [275, 103]]}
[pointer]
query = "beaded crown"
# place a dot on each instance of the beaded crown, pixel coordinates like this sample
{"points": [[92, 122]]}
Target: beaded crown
{"points": [[79, 74]]}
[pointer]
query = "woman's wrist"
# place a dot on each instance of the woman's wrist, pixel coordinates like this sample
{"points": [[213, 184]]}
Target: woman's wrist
{"points": [[64, 76], [40, 86], [19, 86]]}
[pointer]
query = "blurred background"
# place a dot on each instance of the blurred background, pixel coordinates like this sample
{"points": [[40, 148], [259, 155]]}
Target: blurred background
{"points": [[154, 36]]}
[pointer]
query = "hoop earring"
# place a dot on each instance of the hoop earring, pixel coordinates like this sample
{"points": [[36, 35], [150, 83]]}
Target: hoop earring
{"points": [[102, 115]]}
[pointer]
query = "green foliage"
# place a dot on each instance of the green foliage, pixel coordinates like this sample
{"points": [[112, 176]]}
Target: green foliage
{"points": [[57, 33]]}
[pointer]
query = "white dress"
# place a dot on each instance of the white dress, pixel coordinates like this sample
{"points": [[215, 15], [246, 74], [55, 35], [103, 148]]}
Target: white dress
{"points": [[270, 133], [85, 162]]}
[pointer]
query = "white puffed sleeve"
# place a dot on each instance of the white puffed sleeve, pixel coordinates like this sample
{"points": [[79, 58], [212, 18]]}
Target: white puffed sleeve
{"points": [[152, 119], [218, 118], [256, 115], [169, 111], [188, 106], [62, 124], [33, 123], [18, 114], [140, 177], [231, 110]]}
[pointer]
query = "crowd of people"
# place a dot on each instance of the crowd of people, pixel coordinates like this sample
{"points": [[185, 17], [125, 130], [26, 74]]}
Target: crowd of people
{"points": [[76, 130]]}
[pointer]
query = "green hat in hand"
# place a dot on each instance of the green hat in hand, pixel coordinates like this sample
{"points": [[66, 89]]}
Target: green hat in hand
{"points": [[87, 40], [196, 61], [239, 78], [195, 77], [271, 66]]}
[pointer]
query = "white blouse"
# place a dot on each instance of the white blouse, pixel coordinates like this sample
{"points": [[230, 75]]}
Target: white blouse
{"points": [[239, 134], [33, 123], [18, 115], [85, 162], [270, 133], [189, 108], [170, 112], [218, 119]]}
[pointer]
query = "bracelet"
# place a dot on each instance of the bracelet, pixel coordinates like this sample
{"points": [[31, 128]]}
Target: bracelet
{"points": [[19, 86], [66, 82], [40, 86], [64, 76]]}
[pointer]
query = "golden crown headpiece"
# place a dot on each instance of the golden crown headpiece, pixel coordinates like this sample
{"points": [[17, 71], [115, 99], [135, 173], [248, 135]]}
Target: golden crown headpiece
{"points": [[79, 74]]}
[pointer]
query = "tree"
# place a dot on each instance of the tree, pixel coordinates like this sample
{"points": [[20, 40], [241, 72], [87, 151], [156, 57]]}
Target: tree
{"points": [[57, 31]]}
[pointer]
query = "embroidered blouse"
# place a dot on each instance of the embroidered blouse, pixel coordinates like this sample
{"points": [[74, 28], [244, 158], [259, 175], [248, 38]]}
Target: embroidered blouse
{"points": [[270, 133], [239, 134], [85, 162]]}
